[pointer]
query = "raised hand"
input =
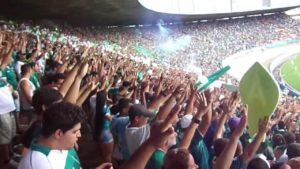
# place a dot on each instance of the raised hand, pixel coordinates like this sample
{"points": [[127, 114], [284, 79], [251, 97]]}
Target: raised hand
{"points": [[201, 102], [178, 91], [279, 113], [229, 105], [83, 70], [161, 77], [265, 124], [146, 87], [94, 85], [85, 53], [238, 132], [160, 131]]}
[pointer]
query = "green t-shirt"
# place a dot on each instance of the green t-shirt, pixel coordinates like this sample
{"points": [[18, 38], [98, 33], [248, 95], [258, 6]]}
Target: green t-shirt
{"points": [[106, 123], [199, 151], [157, 160], [14, 56], [35, 80], [2, 83], [11, 77], [68, 158]]}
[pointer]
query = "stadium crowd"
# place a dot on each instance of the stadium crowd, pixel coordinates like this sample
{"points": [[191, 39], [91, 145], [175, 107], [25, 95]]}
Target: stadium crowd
{"points": [[143, 115]]}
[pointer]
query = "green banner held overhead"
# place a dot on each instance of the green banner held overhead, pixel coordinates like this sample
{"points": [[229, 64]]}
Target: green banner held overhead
{"points": [[260, 91], [212, 78]]}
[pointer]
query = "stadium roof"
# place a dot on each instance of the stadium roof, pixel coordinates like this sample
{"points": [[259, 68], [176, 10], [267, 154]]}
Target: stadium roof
{"points": [[102, 12]]}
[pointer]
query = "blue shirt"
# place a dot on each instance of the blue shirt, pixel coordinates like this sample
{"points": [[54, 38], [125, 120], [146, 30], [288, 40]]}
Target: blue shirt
{"points": [[118, 127], [199, 151]]}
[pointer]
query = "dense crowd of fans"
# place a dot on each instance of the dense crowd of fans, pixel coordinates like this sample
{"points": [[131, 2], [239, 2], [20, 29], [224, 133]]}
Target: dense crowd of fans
{"points": [[214, 40], [144, 114]]}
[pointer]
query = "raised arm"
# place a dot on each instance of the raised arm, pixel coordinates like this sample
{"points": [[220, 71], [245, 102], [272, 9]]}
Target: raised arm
{"points": [[83, 96], [23, 44], [69, 81], [160, 132], [84, 88], [219, 130], [35, 54], [191, 100], [73, 93], [162, 98], [7, 58], [160, 84], [229, 107], [226, 157], [169, 104], [71, 77], [206, 120], [63, 67], [190, 131], [144, 89], [265, 125]]}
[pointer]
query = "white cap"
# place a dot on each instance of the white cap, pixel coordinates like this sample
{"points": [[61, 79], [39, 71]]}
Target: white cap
{"points": [[186, 121], [262, 157]]}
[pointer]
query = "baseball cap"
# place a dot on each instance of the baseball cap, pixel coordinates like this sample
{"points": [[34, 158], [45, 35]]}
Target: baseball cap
{"points": [[139, 110]]}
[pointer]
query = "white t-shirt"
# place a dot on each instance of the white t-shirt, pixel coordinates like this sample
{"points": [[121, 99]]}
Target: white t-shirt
{"points": [[24, 103], [18, 68], [135, 136], [6, 100], [41, 157], [93, 103]]}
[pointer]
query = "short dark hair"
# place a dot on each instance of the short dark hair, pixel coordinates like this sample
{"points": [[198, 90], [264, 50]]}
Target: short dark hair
{"points": [[123, 103], [281, 125], [51, 64], [278, 140], [45, 96], [219, 145], [116, 98], [293, 150], [25, 68], [126, 84], [290, 138], [63, 116], [32, 64], [176, 159], [58, 76], [257, 163]]}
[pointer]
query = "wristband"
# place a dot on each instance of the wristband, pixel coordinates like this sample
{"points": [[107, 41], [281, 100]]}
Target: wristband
{"points": [[197, 121]]}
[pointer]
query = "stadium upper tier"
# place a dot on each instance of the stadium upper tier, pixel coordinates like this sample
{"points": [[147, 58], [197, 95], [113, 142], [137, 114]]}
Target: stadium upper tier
{"points": [[127, 12], [203, 45], [192, 47], [194, 7]]}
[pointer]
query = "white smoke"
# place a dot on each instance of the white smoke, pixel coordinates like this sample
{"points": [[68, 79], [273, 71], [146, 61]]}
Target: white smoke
{"points": [[168, 44], [172, 45], [163, 32]]}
